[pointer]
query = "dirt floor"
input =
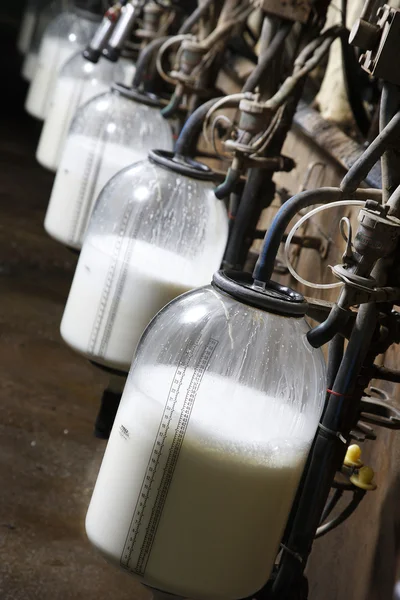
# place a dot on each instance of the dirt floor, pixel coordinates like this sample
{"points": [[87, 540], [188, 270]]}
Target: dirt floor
{"points": [[49, 396]]}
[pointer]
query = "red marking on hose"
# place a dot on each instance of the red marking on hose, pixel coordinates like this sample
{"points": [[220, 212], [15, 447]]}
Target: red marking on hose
{"points": [[338, 394]]}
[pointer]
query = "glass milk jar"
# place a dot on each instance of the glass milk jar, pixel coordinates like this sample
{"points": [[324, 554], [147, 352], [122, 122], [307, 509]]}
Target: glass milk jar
{"points": [[107, 134], [45, 15], [210, 441], [66, 34], [78, 82], [154, 234]]}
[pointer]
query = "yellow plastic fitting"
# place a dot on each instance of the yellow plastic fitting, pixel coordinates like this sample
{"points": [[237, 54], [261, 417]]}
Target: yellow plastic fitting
{"points": [[364, 479], [353, 456]]}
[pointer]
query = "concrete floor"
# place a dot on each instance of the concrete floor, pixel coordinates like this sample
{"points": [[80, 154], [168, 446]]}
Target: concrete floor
{"points": [[48, 395]]}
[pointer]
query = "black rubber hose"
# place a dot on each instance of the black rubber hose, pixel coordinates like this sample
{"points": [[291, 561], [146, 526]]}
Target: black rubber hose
{"points": [[336, 349], [327, 454], [258, 187], [331, 503], [144, 60], [336, 521], [354, 79], [266, 261], [195, 16], [360, 169], [187, 141], [390, 162], [268, 57], [325, 331]]}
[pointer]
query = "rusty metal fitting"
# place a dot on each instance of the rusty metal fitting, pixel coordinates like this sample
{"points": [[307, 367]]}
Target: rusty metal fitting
{"points": [[380, 41], [295, 10], [191, 56], [254, 116], [152, 14]]}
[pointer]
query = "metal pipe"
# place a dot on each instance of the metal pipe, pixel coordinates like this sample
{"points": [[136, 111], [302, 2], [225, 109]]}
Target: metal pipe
{"points": [[129, 14], [94, 49]]}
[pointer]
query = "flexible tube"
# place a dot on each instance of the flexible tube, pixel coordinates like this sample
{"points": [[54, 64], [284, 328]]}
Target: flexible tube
{"points": [[267, 58], [317, 286]]}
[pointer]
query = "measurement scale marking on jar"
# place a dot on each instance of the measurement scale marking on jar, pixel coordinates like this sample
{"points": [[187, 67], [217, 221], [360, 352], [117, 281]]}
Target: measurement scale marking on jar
{"points": [[162, 464], [74, 103], [81, 217], [105, 296], [119, 286]]}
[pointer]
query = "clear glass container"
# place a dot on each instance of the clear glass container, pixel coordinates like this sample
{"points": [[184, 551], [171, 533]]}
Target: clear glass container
{"points": [[48, 12], [66, 34], [107, 134], [78, 82], [28, 23], [208, 447], [154, 234]]}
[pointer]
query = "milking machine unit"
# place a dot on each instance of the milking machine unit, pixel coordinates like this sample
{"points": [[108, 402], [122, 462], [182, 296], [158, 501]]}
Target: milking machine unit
{"points": [[192, 331], [112, 131], [231, 445]]}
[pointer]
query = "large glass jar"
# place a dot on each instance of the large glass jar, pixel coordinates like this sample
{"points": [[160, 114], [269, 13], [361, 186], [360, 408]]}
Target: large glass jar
{"points": [[209, 443], [78, 82], [66, 34], [154, 234], [28, 23], [49, 10], [108, 133]]}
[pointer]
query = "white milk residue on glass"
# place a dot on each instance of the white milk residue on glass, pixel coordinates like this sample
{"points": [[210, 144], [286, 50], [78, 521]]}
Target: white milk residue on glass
{"points": [[29, 66], [54, 52], [79, 81], [87, 165], [125, 282], [26, 29], [197, 507], [107, 134]]}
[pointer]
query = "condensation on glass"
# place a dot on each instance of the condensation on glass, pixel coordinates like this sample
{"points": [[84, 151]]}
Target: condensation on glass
{"points": [[65, 34], [208, 447], [154, 234], [107, 134], [78, 82]]}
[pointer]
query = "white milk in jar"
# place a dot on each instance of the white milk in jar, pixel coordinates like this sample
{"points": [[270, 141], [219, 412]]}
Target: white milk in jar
{"points": [[29, 66], [69, 93], [124, 283], [26, 30], [72, 91], [54, 52], [87, 164], [210, 522]]}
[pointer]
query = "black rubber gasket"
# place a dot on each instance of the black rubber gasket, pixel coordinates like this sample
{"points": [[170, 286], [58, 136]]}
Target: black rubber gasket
{"points": [[182, 164], [141, 97], [274, 298]]}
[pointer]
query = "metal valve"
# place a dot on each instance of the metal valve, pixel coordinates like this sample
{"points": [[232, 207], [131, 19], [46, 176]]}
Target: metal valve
{"points": [[380, 41]]}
